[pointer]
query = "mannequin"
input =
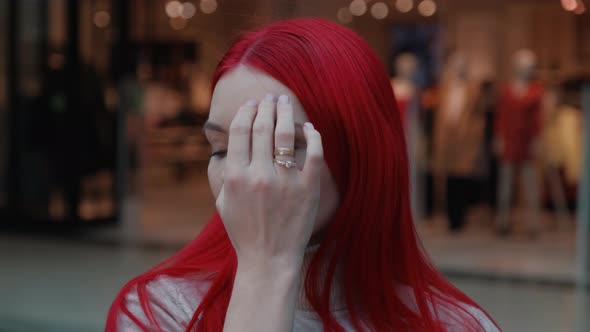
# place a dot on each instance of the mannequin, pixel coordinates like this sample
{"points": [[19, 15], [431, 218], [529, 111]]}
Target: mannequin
{"points": [[458, 141], [406, 93], [403, 84], [518, 123], [553, 150]]}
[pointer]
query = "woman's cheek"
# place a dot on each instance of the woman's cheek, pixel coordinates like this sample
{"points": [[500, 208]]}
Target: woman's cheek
{"points": [[215, 174]]}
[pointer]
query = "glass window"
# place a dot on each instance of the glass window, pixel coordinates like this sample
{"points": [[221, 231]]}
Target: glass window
{"points": [[3, 103]]}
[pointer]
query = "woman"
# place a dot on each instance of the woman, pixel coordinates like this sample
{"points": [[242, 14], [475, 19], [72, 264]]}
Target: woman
{"points": [[321, 238]]}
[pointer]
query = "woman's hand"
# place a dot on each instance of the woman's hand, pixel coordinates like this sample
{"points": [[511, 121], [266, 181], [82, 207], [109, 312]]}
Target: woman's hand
{"points": [[268, 209]]}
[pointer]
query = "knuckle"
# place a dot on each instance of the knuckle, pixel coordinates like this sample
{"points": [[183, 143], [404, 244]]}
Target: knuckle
{"points": [[234, 180], [239, 129], [310, 185], [284, 135], [315, 157], [262, 183], [260, 128]]}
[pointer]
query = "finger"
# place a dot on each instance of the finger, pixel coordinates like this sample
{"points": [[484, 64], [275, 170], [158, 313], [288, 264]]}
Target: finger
{"points": [[285, 128], [262, 131], [314, 155], [219, 200], [238, 146]]}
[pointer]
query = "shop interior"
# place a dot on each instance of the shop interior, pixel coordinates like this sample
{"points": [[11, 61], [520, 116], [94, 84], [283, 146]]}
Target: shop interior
{"points": [[102, 103]]}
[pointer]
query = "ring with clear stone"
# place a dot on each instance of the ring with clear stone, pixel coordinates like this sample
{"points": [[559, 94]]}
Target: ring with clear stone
{"points": [[286, 163]]}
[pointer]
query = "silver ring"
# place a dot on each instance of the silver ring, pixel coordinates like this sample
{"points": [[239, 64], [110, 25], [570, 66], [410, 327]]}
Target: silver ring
{"points": [[286, 163]]}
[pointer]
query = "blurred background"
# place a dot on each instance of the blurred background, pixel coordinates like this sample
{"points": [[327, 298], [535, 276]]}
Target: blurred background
{"points": [[103, 164]]}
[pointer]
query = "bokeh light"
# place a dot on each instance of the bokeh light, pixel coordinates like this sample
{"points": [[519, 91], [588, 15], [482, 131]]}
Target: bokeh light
{"points": [[102, 19], [379, 10], [581, 9], [404, 6], [569, 5], [174, 9], [427, 8], [358, 7], [208, 6], [188, 10]]}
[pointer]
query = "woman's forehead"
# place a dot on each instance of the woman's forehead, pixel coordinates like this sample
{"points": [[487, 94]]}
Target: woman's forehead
{"points": [[242, 84]]}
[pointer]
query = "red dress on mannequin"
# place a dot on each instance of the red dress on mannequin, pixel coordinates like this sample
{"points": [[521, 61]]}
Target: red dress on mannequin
{"points": [[402, 106], [518, 122]]}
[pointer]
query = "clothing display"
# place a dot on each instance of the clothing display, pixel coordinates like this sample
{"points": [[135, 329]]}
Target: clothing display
{"points": [[518, 126], [458, 142], [459, 197], [562, 138], [458, 130], [518, 122], [528, 175], [404, 92], [402, 107]]}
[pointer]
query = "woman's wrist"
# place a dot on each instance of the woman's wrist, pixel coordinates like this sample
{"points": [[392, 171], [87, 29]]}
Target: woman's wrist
{"points": [[283, 268], [263, 289]]}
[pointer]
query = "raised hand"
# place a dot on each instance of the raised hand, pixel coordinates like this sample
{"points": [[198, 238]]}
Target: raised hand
{"points": [[269, 205]]}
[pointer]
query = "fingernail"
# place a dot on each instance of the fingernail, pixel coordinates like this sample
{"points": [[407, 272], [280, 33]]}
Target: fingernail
{"points": [[283, 99], [269, 97], [252, 102], [308, 125]]}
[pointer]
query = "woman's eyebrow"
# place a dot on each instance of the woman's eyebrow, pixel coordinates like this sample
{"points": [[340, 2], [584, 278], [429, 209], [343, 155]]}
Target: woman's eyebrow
{"points": [[213, 126]]}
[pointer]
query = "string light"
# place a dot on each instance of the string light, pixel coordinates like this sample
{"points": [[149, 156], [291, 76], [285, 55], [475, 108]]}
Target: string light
{"points": [[379, 10], [174, 9], [581, 8], [208, 6], [427, 8], [569, 5], [575, 6], [404, 6], [358, 7], [102, 19], [188, 10]]}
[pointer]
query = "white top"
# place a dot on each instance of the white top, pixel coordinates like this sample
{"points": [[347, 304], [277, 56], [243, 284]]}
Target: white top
{"points": [[173, 301]]}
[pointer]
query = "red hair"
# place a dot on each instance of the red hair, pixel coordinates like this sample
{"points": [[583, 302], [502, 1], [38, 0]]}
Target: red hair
{"points": [[371, 241]]}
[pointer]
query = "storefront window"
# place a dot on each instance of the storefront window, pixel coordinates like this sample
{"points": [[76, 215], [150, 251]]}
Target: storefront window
{"points": [[62, 153], [4, 138], [101, 120]]}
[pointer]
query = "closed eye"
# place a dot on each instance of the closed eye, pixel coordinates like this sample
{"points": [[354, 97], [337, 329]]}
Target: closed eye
{"points": [[220, 154]]}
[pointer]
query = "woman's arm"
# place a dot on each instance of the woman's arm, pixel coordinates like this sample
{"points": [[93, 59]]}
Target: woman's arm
{"points": [[269, 211], [263, 299]]}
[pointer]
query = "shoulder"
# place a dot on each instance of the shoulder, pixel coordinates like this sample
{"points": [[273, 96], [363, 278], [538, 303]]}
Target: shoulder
{"points": [[451, 314], [454, 317], [454, 323], [172, 301]]}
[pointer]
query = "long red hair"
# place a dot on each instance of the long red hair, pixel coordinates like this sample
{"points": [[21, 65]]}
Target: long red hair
{"points": [[371, 242]]}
